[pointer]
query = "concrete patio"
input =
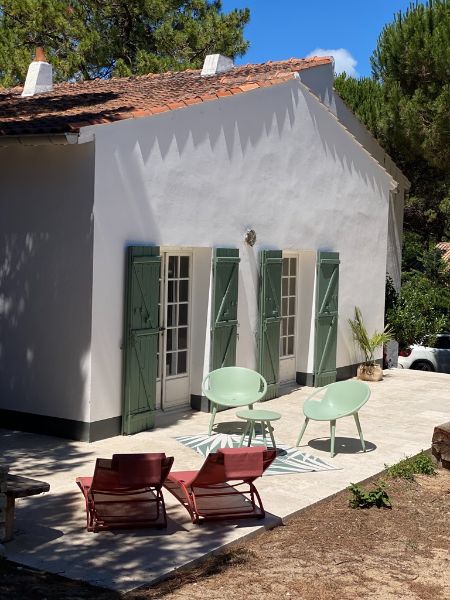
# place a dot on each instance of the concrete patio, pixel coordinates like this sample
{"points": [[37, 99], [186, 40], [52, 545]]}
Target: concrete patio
{"points": [[398, 419]]}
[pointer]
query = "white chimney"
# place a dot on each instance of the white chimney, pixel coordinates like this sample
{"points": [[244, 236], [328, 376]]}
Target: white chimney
{"points": [[39, 77], [216, 63]]}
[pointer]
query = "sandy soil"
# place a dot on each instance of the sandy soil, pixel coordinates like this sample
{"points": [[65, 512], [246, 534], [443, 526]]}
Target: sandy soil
{"points": [[330, 552]]}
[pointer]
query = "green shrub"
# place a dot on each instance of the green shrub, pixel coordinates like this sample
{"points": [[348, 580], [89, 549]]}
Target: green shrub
{"points": [[361, 498], [422, 464]]}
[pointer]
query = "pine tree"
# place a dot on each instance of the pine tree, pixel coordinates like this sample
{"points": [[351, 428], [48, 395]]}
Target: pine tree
{"points": [[365, 98], [412, 61], [406, 105], [85, 39]]}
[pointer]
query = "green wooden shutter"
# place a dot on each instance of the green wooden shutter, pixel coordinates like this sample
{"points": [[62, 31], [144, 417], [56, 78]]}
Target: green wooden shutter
{"points": [[327, 289], [141, 336], [270, 319], [224, 307]]}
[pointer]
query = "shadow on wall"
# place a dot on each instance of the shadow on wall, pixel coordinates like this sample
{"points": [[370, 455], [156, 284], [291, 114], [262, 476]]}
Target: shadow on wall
{"points": [[46, 279], [340, 145], [242, 131], [191, 163]]}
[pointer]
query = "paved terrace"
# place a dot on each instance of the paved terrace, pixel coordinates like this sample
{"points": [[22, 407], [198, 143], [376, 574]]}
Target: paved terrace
{"points": [[398, 419]]}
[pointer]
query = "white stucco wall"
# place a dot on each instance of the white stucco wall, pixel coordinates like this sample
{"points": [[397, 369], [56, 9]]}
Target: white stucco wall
{"points": [[275, 160], [320, 82], [46, 236]]}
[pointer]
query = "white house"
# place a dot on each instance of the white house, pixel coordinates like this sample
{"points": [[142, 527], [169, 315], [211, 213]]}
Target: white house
{"points": [[154, 228]]}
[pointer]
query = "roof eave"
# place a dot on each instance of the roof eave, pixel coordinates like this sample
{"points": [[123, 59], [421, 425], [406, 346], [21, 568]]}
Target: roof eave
{"points": [[58, 139]]}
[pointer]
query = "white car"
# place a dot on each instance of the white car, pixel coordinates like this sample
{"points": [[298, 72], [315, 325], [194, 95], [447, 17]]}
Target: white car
{"points": [[428, 358]]}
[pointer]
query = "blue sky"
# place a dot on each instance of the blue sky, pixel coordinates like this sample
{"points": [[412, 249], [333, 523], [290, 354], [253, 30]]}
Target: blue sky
{"points": [[286, 28]]}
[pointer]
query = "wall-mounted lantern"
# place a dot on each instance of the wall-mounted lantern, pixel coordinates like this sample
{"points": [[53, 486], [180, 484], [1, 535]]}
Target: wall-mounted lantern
{"points": [[250, 237]]}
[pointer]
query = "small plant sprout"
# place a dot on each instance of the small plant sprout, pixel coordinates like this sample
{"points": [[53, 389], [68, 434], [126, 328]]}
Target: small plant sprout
{"points": [[421, 464], [361, 498]]}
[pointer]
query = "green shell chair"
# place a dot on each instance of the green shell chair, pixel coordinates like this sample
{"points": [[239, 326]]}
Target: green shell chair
{"points": [[341, 399], [232, 387]]}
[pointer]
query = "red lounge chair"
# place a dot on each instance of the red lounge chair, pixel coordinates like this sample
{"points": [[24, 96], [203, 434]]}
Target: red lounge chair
{"points": [[207, 494], [126, 492]]}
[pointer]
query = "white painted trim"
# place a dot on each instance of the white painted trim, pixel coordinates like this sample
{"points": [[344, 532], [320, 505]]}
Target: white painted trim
{"points": [[163, 379]]}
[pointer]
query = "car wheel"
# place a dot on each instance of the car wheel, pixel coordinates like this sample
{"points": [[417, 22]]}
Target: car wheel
{"points": [[422, 365]]}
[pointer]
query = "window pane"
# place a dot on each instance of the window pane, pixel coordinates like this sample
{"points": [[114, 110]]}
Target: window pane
{"points": [[290, 345], [172, 291], [182, 338], [284, 326], [284, 346], [173, 267], [443, 343], [291, 325], [182, 362], [184, 266], [293, 266], [171, 315], [284, 307], [182, 314], [292, 286], [285, 266], [171, 368], [184, 291], [171, 339], [285, 286], [292, 306]]}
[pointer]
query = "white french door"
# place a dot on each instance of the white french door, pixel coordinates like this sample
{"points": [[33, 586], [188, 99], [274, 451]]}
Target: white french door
{"points": [[172, 385], [288, 337]]}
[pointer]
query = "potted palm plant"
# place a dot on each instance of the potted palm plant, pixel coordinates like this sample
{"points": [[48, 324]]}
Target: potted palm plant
{"points": [[369, 370]]}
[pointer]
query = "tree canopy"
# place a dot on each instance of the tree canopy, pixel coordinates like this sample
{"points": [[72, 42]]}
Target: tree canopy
{"points": [[406, 105], [85, 39], [412, 61]]}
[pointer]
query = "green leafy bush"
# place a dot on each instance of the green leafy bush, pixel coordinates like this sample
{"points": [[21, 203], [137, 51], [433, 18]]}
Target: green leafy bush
{"points": [[422, 309], [422, 464], [362, 498]]}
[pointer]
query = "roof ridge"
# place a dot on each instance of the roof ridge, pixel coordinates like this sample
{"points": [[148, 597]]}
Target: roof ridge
{"points": [[145, 76], [73, 105]]}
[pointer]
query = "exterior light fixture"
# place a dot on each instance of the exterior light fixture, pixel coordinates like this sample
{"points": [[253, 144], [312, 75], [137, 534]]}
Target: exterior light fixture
{"points": [[250, 237]]}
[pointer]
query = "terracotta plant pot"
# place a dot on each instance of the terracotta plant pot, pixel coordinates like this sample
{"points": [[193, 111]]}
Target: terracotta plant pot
{"points": [[370, 372]]}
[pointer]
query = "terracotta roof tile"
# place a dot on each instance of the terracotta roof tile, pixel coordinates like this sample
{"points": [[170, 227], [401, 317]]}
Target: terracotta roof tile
{"points": [[195, 100], [71, 106], [223, 93], [247, 87]]}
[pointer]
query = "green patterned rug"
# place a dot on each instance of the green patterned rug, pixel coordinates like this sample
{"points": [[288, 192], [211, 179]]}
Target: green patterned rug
{"points": [[288, 460]]}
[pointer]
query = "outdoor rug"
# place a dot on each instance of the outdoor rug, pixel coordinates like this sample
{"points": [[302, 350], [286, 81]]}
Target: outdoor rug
{"points": [[288, 460]]}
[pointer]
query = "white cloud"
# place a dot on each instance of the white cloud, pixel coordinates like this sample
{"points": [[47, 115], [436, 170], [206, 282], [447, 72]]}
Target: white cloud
{"points": [[343, 60]]}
